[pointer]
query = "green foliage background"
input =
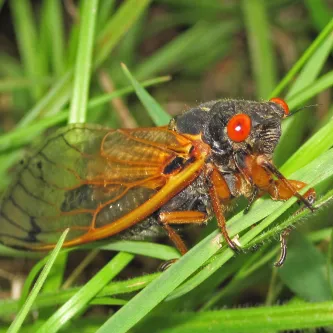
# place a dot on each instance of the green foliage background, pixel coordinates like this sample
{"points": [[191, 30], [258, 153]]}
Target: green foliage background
{"points": [[60, 62]]}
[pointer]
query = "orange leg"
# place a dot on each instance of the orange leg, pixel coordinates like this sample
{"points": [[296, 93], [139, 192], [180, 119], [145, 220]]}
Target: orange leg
{"points": [[180, 217], [281, 192], [219, 191], [290, 188], [259, 171]]}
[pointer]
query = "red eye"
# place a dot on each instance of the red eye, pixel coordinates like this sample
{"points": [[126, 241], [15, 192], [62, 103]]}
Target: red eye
{"points": [[239, 127], [282, 103]]}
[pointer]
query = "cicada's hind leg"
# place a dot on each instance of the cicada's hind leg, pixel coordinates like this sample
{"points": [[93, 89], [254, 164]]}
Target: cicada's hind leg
{"points": [[285, 188], [281, 192], [279, 189], [178, 217]]}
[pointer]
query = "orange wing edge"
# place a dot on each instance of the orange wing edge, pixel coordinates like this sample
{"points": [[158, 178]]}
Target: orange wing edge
{"points": [[173, 186]]}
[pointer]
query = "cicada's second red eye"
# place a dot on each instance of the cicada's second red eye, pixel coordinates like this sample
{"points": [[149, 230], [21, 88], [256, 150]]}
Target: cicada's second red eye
{"points": [[282, 103], [239, 127]]}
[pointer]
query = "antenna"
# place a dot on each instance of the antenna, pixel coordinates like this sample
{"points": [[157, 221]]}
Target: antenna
{"points": [[300, 109]]}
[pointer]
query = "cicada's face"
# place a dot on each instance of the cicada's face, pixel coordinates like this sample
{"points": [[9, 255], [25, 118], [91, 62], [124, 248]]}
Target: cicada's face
{"points": [[232, 126]]}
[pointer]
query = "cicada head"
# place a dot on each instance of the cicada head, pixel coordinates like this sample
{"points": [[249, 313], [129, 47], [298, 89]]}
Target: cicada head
{"points": [[229, 126]]}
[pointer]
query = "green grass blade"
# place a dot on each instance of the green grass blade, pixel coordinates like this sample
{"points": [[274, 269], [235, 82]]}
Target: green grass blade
{"points": [[17, 323], [317, 144], [156, 112], [260, 44], [148, 249], [52, 102], [82, 73], [10, 84], [82, 298], [26, 32], [115, 29], [312, 68], [55, 23], [105, 10], [50, 299], [60, 93], [15, 139], [174, 54], [249, 320], [100, 100], [155, 292], [320, 12], [303, 59], [313, 286], [306, 80], [23, 135]]}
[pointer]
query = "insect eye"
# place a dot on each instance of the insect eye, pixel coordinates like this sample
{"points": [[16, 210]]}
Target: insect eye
{"points": [[239, 127], [282, 103]]}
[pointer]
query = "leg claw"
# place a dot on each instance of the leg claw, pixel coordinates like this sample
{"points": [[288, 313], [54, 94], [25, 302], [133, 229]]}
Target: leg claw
{"points": [[164, 266]]}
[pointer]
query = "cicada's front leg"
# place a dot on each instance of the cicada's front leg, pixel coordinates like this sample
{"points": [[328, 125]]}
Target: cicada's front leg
{"points": [[220, 194], [260, 172], [279, 191]]}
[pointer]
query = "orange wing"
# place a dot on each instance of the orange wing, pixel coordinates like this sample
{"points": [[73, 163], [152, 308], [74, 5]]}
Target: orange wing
{"points": [[95, 181]]}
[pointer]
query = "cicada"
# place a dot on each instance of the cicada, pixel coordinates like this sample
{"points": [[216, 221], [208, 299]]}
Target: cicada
{"points": [[137, 183]]}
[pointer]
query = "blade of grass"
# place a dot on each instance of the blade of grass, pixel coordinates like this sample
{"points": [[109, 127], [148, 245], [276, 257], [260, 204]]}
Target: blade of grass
{"points": [[30, 279], [46, 300], [174, 53], [82, 73], [82, 298], [120, 23], [318, 143], [156, 291], [313, 286], [329, 263], [52, 102], [60, 93], [160, 251], [26, 32], [321, 84], [54, 280], [320, 13], [260, 44], [10, 84], [24, 135], [249, 320], [105, 10], [108, 301], [290, 138], [303, 59], [312, 68], [55, 23], [100, 100], [157, 114], [78, 270], [18, 321], [292, 220]]}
